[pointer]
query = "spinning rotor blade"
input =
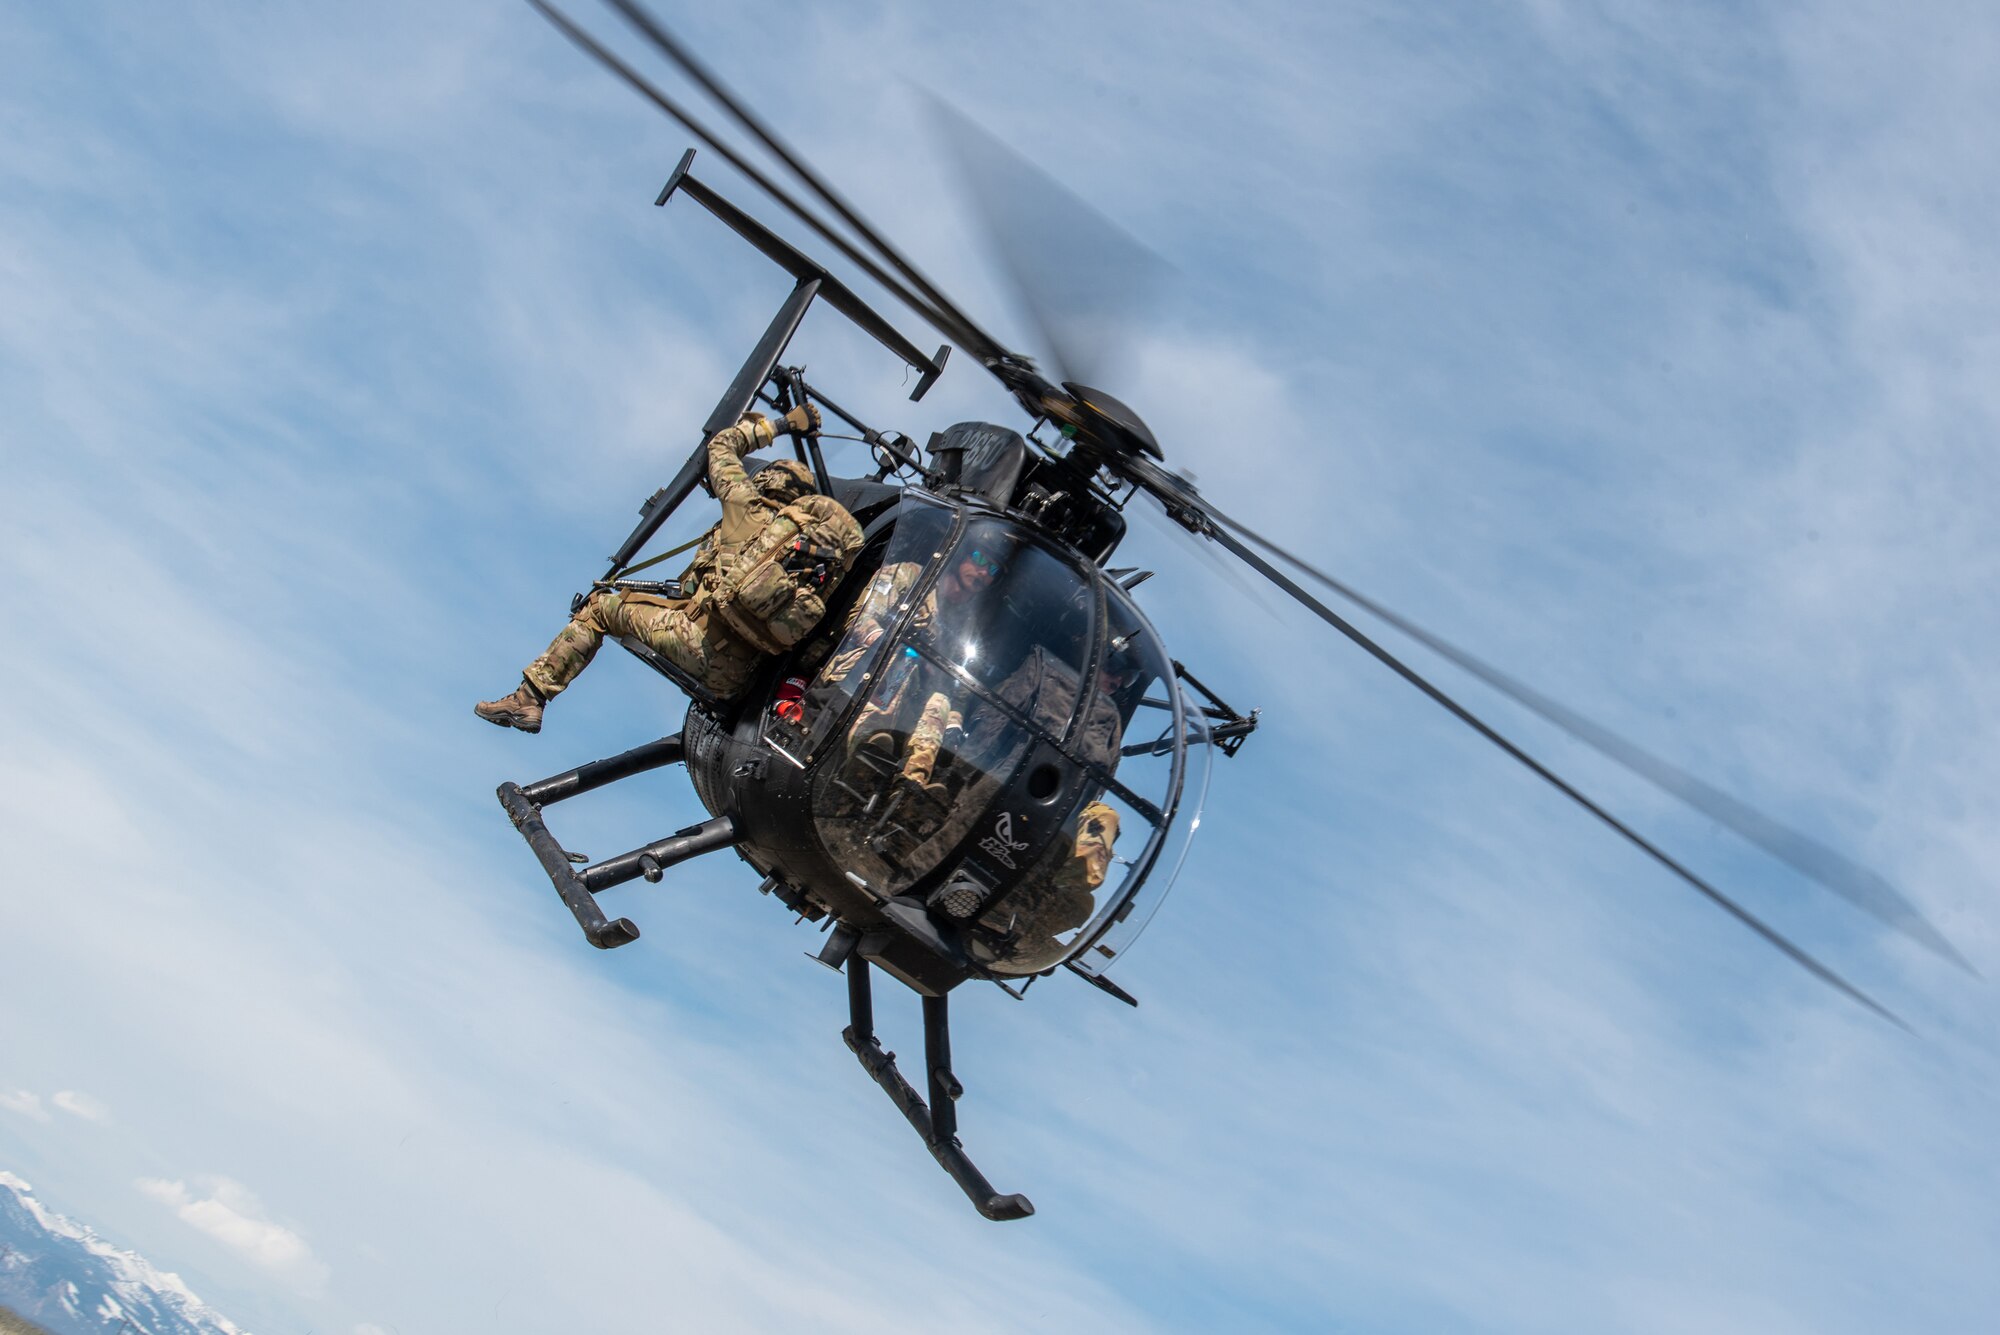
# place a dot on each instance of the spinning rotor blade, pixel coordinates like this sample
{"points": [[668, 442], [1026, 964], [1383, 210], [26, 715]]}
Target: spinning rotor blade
{"points": [[1065, 306], [934, 305], [1078, 276], [1034, 392], [1251, 591], [966, 336], [1186, 505], [1865, 889]]}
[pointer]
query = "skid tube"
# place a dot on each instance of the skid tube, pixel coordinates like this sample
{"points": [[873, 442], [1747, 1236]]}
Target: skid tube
{"points": [[938, 1122], [579, 886]]}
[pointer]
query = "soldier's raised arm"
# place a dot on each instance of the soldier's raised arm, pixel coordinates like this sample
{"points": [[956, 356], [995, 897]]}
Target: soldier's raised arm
{"points": [[730, 481]]}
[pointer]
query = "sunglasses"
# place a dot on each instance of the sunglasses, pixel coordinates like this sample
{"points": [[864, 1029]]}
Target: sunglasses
{"points": [[984, 562]]}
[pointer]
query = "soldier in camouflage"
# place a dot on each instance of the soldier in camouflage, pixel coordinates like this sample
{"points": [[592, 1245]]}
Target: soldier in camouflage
{"points": [[683, 631], [1044, 689], [1058, 893], [937, 718]]}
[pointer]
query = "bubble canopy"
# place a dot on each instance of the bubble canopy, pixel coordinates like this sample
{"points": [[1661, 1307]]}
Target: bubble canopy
{"points": [[1000, 734]]}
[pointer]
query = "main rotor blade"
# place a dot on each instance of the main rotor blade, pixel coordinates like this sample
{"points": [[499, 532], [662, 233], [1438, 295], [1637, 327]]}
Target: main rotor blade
{"points": [[964, 336], [1181, 497], [1867, 890], [1081, 278], [980, 344], [1250, 590]]}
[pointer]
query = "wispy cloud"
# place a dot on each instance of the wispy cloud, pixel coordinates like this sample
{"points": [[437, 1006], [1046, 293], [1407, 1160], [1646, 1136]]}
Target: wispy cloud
{"points": [[1576, 330], [227, 1212], [25, 1104], [81, 1105]]}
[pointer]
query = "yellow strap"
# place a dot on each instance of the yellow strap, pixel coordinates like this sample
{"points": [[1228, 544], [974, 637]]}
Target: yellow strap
{"points": [[633, 570]]}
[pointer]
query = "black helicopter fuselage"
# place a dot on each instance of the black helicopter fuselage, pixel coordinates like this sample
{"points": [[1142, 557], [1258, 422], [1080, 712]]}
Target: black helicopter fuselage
{"points": [[1055, 729], [1040, 674]]}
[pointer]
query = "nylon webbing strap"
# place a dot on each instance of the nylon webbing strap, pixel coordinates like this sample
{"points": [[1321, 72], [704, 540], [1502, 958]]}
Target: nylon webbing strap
{"points": [[653, 561]]}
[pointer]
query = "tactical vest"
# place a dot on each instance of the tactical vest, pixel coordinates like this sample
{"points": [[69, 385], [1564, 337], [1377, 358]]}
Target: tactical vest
{"points": [[774, 590], [710, 559]]}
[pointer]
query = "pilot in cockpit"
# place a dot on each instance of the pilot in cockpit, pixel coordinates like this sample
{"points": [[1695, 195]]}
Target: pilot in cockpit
{"points": [[915, 699]]}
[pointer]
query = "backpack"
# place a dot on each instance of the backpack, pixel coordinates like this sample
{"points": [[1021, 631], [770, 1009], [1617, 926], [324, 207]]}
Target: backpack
{"points": [[775, 591]]}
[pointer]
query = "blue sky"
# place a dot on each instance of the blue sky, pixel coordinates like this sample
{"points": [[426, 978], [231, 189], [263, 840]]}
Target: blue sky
{"points": [[1650, 351]]}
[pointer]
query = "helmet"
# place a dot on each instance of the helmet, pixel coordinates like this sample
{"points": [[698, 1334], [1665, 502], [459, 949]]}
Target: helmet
{"points": [[1120, 663], [784, 481]]}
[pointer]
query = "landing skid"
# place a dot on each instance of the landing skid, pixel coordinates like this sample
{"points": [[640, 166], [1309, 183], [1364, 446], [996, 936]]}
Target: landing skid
{"points": [[937, 1123], [579, 886]]}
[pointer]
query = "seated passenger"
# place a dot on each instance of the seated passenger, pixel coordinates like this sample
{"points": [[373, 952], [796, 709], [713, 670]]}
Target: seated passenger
{"points": [[745, 596], [1057, 894], [1068, 902], [1044, 688], [911, 713]]}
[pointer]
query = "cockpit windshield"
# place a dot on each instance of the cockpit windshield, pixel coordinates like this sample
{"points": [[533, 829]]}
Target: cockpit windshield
{"points": [[1000, 733], [918, 542], [1161, 783]]}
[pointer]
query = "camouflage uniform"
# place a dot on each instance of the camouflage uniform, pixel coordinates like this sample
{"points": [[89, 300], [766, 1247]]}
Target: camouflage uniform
{"points": [[678, 631], [1052, 900], [874, 613], [1056, 895], [1044, 688], [682, 630], [1087, 865], [871, 620]]}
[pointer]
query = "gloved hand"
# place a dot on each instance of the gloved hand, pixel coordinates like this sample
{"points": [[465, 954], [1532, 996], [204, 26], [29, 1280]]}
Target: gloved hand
{"points": [[801, 420]]}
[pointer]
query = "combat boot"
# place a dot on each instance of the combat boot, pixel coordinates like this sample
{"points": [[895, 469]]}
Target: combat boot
{"points": [[522, 709]]}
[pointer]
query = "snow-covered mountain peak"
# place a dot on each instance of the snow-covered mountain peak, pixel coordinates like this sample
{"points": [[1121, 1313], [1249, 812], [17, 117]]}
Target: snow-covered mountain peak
{"points": [[62, 1275]]}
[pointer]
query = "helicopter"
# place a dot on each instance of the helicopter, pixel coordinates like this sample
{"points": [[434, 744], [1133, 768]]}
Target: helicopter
{"points": [[985, 613]]}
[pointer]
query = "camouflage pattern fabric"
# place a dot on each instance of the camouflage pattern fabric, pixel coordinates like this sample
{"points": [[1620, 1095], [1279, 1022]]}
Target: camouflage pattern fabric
{"points": [[1090, 856], [872, 616], [745, 509], [677, 631], [920, 756], [871, 619], [1055, 896], [783, 481], [1044, 688], [763, 598], [680, 631], [887, 712]]}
